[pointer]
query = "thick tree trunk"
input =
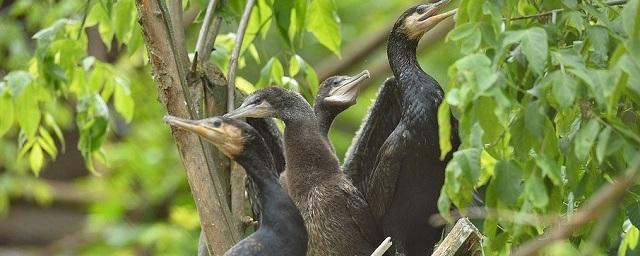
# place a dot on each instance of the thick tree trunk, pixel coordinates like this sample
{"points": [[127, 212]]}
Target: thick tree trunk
{"points": [[210, 197]]}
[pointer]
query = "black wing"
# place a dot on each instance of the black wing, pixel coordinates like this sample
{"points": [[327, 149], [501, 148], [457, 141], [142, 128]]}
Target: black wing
{"points": [[382, 119]]}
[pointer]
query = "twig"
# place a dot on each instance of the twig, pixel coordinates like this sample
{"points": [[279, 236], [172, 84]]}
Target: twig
{"points": [[235, 54], [506, 215], [592, 209], [554, 11], [383, 247], [201, 44]]}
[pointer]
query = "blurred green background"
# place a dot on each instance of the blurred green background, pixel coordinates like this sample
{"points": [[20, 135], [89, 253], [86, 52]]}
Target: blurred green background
{"points": [[138, 202]]}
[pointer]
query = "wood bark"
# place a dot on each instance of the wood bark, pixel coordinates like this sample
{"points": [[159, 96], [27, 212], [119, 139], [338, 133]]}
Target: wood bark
{"points": [[464, 239], [211, 200]]}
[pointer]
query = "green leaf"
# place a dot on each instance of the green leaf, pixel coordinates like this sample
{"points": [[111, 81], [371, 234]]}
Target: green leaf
{"points": [[123, 19], [444, 205], [630, 17], [282, 15], [36, 159], [16, 81], [122, 99], [571, 4], [324, 24], [549, 168], [46, 142], [508, 182], [633, 213], [603, 142], [259, 20], [534, 120], [575, 20], [585, 138], [468, 35], [295, 64], [444, 129], [534, 46], [6, 108], [476, 70], [27, 111], [536, 192], [564, 89], [277, 72]]}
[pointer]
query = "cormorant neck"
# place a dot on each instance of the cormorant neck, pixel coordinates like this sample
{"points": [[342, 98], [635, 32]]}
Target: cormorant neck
{"points": [[325, 119], [258, 163], [401, 52]]}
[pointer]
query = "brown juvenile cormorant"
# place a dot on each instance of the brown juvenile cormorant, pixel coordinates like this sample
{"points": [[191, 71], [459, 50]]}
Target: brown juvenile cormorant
{"points": [[403, 183], [282, 230], [336, 94], [337, 217]]}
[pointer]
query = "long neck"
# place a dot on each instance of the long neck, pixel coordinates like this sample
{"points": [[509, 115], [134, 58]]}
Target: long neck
{"points": [[401, 53], [308, 155], [325, 119], [258, 163]]}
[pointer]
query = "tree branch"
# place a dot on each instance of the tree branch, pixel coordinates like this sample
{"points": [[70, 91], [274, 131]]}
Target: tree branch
{"points": [[175, 13], [205, 42], [552, 12], [235, 54], [592, 209], [213, 208], [383, 247]]}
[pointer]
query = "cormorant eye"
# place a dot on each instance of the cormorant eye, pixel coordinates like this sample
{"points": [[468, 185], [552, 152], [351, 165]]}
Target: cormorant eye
{"points": [[421, 9], [216, 123]]}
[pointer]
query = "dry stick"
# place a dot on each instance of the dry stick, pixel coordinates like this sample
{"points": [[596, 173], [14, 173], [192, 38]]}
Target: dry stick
{"points": [[201, 45], [212, 206], [383, 247], [591, 210], [235, 54]]}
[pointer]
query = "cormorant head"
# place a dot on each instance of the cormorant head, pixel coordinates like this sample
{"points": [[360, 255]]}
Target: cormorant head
{"points": [[228, 135], [272, 102], [417, 20], [340, 92]]}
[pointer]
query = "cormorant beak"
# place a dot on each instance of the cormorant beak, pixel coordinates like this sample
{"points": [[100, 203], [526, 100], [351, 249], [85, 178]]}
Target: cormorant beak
{"points": [[428, 19], [262, 110], [347, 91], [227, 138]]}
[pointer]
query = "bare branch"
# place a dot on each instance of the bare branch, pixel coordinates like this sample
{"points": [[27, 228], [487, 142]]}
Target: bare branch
{"points": [[592, 209], [235, 54], [202, 46], [383, 247]]}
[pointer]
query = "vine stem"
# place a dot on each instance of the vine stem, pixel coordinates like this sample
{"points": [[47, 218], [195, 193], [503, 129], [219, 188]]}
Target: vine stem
{"points": [[235, 54]]}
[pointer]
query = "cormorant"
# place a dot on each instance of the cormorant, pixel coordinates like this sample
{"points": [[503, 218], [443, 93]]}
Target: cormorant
{"points": [[403, 183], [282, 230], [337, 217]]}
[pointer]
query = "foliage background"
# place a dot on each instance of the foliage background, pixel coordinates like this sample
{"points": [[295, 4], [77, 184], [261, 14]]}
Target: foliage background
{"points": [[548, 112]]}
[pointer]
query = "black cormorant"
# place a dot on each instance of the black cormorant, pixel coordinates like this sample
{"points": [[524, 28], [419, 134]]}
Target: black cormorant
{"points": [[282, 230], [403, 183], [337, 217]]}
